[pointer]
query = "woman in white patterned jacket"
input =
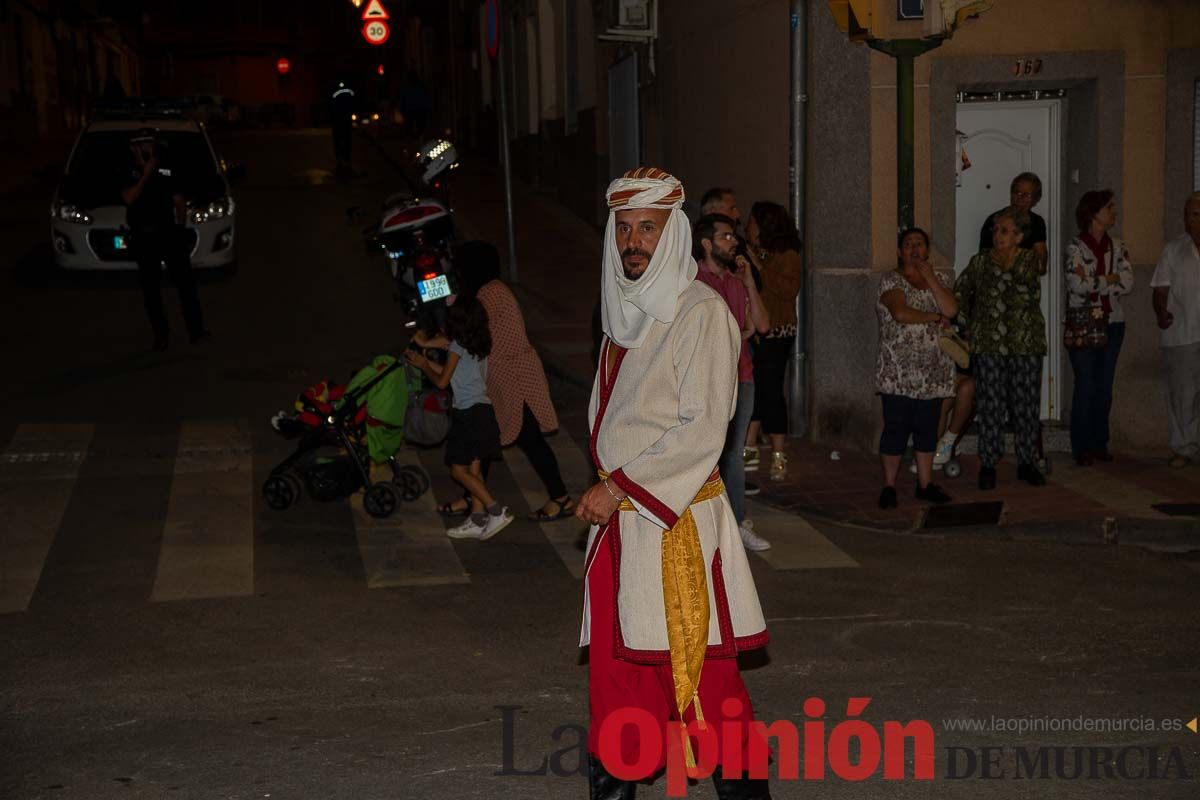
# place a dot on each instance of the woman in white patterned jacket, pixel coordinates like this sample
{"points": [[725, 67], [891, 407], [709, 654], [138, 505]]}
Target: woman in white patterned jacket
{"points": [[1098, 273]]}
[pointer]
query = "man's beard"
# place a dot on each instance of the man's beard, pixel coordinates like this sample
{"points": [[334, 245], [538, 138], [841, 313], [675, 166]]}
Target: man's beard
{"points": [[630, 252], [726, 260]]}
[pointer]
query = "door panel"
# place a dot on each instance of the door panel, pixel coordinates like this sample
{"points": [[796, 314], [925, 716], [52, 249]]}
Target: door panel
{"points": [[996, 156]]}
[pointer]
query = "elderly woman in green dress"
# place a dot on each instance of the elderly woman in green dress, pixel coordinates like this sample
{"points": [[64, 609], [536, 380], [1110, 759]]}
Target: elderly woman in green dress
{"points": [[999, 296]]}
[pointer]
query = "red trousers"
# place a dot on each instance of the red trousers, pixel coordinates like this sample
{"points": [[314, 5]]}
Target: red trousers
{"points": [[614, 684]]}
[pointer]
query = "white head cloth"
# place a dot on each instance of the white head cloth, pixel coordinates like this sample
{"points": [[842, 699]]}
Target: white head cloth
{"points": [[629, 307]]}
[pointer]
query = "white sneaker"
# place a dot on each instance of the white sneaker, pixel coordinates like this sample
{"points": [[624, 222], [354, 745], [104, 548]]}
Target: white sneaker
{"points": [[944, 452], [496, 524], [750, 539], [467, 530], [750, 459]]}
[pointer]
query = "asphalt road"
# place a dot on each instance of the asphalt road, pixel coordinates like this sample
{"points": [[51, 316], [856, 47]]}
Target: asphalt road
{"points": [[167, 635]]}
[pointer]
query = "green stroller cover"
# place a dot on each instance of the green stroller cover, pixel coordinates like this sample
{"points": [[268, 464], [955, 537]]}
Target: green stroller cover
{"points": [[387, 404]]}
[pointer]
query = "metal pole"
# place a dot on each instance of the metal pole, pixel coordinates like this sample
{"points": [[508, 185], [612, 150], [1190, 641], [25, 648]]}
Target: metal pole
{"points": [[501, 64], [905, 138], [905, 51], [454, 132], [798, 384]]}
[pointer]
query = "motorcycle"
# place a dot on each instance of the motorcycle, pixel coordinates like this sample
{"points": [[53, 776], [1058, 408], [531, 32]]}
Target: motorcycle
{"points": [[416, 234]]}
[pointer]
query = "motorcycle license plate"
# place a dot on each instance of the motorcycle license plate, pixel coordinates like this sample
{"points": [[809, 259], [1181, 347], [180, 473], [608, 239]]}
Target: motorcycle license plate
{"points": [[434, 288]]}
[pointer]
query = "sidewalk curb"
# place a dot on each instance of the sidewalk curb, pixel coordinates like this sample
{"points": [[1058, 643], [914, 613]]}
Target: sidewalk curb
{"points": [[1168, 536]]}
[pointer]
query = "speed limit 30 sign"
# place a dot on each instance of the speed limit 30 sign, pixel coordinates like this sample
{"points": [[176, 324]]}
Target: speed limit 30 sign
{"points": [[376, 31]]}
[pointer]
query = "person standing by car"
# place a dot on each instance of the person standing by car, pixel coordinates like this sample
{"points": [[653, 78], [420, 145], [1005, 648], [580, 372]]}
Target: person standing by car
{"points": [[156, 210]]}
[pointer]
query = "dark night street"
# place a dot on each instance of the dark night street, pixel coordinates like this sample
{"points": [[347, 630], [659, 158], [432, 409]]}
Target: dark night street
{"points": [[168, 635]]}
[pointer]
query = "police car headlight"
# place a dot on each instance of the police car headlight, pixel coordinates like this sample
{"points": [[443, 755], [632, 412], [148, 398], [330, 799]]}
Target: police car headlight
{"points": [[217, 209], [70, 213]]}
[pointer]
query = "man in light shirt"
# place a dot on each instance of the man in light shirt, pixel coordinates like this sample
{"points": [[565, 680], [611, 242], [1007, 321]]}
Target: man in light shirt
{"points": [[1176, 284]]}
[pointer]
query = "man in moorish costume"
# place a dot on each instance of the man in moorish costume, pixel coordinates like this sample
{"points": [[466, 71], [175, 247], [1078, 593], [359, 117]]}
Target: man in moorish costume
{"points": [[669, 599]]}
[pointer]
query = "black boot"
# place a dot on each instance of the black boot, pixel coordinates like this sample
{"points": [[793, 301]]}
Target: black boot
{"points": [[602, 786], [742, 788]]}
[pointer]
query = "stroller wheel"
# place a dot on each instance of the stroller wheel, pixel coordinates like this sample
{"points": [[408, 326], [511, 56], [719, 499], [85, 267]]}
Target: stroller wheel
{"points": [[281, 491], [424, 476], [297, 487], [952, 468], [411, 482], [380, 500]]}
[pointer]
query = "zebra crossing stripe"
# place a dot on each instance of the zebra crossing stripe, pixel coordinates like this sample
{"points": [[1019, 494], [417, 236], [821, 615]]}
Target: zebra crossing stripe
{"points": [[208, 535], [409, 548], [1111, 491], [37, 475], [795, 543], [576, 469]]}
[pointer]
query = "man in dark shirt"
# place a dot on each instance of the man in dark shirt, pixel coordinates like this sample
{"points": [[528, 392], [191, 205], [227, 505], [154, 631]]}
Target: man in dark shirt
{"points": [[155, 210], [1024, 193]]}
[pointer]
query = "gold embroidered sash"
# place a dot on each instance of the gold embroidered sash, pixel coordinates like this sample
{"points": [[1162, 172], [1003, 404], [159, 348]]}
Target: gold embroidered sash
{"points": [[685, 595]]}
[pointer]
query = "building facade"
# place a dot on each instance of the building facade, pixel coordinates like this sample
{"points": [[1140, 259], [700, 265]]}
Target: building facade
{"points": [[56, 60], [1091, 95]]}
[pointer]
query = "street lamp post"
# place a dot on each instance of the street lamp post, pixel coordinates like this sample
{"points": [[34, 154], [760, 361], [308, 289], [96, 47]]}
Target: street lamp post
{"points": [[495, 21]]}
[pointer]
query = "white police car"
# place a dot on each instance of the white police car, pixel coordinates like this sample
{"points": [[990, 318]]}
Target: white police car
{"points": [[88, 226]]}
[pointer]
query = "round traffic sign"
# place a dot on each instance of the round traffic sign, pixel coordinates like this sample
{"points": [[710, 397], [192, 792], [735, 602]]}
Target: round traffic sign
{"points": [[283, 66], [376, 31]]}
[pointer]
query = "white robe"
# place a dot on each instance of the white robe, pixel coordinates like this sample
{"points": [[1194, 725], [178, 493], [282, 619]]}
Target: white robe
{"points": [[658, 425]]}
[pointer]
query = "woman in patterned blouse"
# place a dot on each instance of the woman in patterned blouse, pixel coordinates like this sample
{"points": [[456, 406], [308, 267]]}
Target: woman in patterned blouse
{"points": [[999, 297], [516, 381], [912, 373], [1098, 272]]}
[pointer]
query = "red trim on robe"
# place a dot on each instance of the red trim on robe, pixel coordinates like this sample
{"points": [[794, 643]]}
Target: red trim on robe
{"points": [[647, 500], [607, 382]]}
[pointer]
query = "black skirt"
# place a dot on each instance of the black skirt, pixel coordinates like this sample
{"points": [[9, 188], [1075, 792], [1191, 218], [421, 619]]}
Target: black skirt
{"points": [[474, 434]]}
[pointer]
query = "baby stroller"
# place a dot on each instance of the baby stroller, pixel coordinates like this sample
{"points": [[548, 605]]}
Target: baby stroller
{"points": [[340, 430]]}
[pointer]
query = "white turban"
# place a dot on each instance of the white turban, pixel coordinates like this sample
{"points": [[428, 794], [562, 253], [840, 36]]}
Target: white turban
{"points": [[629, 307]]}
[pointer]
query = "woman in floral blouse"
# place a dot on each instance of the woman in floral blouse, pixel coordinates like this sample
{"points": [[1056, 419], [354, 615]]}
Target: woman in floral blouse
{"points": [[912, 373], [1098, 272], [999, 297]]}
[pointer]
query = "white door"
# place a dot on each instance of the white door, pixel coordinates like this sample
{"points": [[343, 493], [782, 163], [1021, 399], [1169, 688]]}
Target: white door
{"points": [[999, 140]]}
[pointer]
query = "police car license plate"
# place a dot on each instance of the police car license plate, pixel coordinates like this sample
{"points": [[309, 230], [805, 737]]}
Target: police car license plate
{"points": [[434, 288]]}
